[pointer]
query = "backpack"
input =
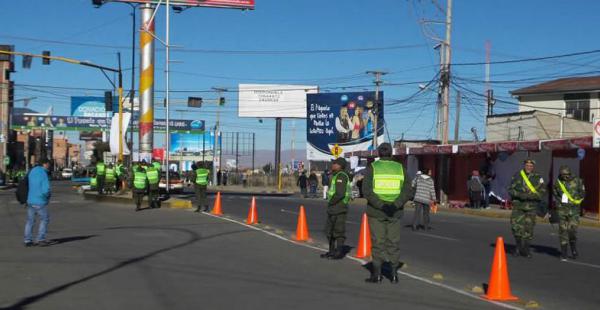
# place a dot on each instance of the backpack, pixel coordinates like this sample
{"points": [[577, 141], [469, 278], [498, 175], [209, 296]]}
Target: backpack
{"points": [[23, 189], [475, 185]]}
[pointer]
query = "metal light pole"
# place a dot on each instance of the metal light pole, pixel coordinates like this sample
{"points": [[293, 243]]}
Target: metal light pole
{"points": [[146, 129], [378, 82], [167, 47]]}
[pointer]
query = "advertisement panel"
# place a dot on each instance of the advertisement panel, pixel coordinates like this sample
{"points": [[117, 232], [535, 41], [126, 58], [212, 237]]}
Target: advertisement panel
{"points": [[86, 106], [75, 123], [229, 4], [339, 123], [274, 100], [191, 144]]}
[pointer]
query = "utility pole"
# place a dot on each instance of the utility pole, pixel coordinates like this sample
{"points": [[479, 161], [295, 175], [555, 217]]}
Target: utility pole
{"points": [[445, 76], [457, 123], [278, 122], [378, 82], [219, 91]]}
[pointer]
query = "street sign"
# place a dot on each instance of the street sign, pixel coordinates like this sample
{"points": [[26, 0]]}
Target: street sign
{"points": [[596, 140], [336, 151]]}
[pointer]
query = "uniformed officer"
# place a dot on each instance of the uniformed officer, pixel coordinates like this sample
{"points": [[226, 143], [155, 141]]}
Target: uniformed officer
{"points": [[200, 177], [568, 192], [100, 174], [139, 186], [386, 189], [93, 182], [527, 190], [110, 179], [120, 174], [338, 196], [153, 175]]}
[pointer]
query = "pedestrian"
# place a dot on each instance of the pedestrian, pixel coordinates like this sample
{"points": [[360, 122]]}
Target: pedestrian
{"points": [[386, 189], [568, 192], [527, 190], [325, 182], [110, 179], [153, 175], [139, 186], [488, 174], [338, 195], [219, 173], [100, 173], [313, 182], [224, 178], [476, 190], [303, 183], [38, 197], [425, 195], [200, 178]]}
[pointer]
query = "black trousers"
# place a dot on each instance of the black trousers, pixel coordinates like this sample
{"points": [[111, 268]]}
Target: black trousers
{"points": [[421, 216]]}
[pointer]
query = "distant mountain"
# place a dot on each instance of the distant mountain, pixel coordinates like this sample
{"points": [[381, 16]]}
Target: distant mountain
{"points": [[263, 157]]}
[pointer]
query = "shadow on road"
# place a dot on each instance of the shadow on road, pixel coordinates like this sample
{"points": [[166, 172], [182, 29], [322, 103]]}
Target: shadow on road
{"points": [[540, 249], [71, 239], [193, 237]]}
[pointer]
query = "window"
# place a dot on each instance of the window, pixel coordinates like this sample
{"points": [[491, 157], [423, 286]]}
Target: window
{"points": [[578, 106]]}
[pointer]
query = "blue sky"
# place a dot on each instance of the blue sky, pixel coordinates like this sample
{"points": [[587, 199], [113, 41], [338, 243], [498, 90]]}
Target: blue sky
{"points": [[516, 29]]}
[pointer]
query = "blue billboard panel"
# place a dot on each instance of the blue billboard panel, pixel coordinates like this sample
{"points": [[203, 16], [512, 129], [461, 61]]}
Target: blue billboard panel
{"points": [[342, 122], [86, 106], [191, 144]]}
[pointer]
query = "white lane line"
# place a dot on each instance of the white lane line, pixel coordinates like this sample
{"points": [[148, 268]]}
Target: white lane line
{"points": [[436, 236], [296, 213], [362, 262], [583, 264]]}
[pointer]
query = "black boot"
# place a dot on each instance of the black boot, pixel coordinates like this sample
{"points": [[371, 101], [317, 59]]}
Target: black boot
{"points": [[518, 247], [563, 252], [339, 250], [329, 253], [525, 252], [574, 252], [375, 275], [394, 277]]}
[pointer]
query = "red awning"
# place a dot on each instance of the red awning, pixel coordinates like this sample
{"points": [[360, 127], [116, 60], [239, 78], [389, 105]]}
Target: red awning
{"points": [[584, 143], [416, 151], [467, 148], [533, 146], [507, 146], [486, 147]]}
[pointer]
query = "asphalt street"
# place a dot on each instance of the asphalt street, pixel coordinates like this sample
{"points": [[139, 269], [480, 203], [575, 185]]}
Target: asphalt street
{"points": [[460, 248], [107, 256]]}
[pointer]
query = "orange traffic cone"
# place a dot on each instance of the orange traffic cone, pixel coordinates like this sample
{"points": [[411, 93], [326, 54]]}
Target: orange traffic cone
{"points": [[302, 228], [216, 210], [252, 215], [364, 239], [499, 285]]}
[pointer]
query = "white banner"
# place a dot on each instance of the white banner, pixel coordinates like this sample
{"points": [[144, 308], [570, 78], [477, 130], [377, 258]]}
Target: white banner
{"points": [[596, 141], [274, 100], [114, 133]]}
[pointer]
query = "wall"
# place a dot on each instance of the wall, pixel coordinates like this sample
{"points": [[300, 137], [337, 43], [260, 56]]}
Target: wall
{"points": [[555, 103], [535, 126]]}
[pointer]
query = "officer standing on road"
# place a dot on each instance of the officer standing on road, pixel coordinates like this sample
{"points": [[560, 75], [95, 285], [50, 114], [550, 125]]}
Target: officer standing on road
{"points": [[338, 195], [110, 179], [386, 189], [93, 182], [120, 173], [153, 175], [139, 186], [200, 177], [568, 193], [100, 174], [527, 190]]}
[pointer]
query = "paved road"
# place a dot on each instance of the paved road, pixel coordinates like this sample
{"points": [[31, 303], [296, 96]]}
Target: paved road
{"points": [[461, 249], [109, 257]]}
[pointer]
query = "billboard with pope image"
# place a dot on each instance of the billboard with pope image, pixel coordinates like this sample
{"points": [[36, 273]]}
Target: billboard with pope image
{"points": [[343, 122]]}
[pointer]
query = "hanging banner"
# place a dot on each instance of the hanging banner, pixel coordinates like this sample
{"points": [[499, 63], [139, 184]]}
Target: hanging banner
{"points": [[339, 123], [114, 134], [596, 139]]}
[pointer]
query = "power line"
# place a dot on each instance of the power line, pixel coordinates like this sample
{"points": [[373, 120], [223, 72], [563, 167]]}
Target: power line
{"points": [[528, 59]]}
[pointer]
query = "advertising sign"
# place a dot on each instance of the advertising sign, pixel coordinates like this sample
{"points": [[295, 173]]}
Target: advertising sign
{"points": [[339, 123], [229, 4], [75, 123], [191, 144], [273, 100], [85, 106]]}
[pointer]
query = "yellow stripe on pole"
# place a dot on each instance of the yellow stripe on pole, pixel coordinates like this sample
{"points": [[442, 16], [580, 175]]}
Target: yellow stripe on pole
{"points": [[147, 78]]}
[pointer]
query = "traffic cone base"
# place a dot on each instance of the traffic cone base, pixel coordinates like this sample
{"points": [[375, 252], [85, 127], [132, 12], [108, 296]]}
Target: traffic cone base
{"points": [[364, 239], [499, 285], [302, 228], [216, 210], [252, 214]]}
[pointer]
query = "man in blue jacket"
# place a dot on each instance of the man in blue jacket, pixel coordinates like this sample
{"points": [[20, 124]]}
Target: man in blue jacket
{"points": [[37, 203]]}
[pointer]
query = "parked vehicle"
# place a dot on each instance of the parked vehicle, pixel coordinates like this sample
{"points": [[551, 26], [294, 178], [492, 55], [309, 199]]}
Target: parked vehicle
{"points": [[175, 182], [66, 173]]}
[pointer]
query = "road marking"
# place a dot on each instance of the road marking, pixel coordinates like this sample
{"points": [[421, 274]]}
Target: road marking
{"points": [[362, 262], [436, 236], [583, 264], [296, 213]]}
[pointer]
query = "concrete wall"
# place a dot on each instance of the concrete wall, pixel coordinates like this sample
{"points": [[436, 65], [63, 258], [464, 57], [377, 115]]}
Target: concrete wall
{"points": [[535, 126], [555, 103]]}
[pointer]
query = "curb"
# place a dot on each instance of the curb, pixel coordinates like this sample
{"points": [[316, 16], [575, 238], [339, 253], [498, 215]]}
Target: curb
{"points": [[172, 203]]}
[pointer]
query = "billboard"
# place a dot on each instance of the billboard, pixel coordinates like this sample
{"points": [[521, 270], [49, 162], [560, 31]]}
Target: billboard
{"points": [[338, 123], [86, 106], [228, 4], [274, 100], [191, 144], [75, 123]]}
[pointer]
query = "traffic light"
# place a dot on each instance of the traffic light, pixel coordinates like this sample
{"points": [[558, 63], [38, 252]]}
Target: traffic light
{"points": [[97, 3], [46, 61], [194, 102], [108, 101], [221, 100], [27, 61]]}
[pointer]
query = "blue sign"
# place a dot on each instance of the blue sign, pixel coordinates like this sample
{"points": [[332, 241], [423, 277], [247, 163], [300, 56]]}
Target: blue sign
{"points": [[85, 106], [345, 120], [191, 144]]}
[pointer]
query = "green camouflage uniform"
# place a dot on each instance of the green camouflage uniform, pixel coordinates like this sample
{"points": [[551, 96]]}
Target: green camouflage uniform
{"points": [[525, 204], [339, 195], [568, 213]]}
